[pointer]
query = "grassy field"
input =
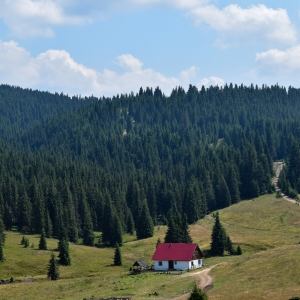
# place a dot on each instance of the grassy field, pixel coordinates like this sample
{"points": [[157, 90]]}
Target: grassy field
{"points": [[266, 228]]}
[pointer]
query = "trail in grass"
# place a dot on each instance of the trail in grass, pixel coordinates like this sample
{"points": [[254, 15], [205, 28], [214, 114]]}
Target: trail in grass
{"points": [[279, 167], [203, 279]]}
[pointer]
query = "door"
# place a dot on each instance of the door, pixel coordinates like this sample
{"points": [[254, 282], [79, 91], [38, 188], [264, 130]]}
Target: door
{"points": [[171, 264]]}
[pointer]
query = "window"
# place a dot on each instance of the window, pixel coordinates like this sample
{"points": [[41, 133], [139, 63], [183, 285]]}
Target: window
{"points": [[199, 261], [175, 262], [160, 263]]}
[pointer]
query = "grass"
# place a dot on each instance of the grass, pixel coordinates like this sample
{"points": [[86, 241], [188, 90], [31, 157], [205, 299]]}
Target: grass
{"points": [[266, 228]]}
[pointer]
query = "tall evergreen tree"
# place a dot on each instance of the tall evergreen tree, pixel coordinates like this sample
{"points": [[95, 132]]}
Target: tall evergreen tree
{"points": [[218, 238], [144, 228], [64, 253], [130, 223], [43, 242], [2, 258], [2, 234], [185, 232], [87, 224], [53, 269], [117, 256]]}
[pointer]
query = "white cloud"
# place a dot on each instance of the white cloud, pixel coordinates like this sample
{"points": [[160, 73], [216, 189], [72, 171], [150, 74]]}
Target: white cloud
{"points": [[56, 71], [181, 4], [34, 18], [130, 63], [283, 62], [38, 17], [256, 22], [207, 82]]}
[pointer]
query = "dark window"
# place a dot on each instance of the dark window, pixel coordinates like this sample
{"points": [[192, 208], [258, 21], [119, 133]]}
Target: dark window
{"points": [[160, 263]]}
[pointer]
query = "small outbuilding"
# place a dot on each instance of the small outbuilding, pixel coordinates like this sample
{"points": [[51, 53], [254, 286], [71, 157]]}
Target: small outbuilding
{"points": [[140, 264], [177, 256]]}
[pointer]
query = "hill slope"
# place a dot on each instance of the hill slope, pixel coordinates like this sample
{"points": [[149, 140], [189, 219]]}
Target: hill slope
{"points": [[266, 229]]}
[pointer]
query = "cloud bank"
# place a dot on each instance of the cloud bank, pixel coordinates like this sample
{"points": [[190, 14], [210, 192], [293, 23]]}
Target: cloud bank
{"points": [[256, 22], [281, 62], [56, 71]]}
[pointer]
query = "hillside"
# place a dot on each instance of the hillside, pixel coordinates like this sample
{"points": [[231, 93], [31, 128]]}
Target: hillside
{"points": [[83, 163], [265, 227]]}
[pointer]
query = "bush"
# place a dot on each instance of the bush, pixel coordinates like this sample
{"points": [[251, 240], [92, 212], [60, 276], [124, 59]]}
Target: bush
{"points": [[238, 250], [197, 294]]}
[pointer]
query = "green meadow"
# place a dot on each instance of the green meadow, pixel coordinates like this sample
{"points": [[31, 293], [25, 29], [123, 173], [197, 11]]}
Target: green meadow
{"points": [[266, 228]]}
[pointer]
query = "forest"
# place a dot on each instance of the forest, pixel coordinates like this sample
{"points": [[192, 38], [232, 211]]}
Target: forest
{"points": [[75, 165]]}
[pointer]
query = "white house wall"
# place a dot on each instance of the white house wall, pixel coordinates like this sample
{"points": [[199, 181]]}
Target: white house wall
{"points": [[179, 265], [197, 263]]}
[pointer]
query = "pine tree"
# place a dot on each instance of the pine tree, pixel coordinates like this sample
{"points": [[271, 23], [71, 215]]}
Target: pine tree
{"points": [[229, 246], [130, 224], [218, 238], [238, 250], [2, 258], [197, 294], [2, 234], [185, 232], [117, 233], [26, 243], [88, 233], [144, 228], [118, 256], [64, 254], [53, 269], [43, 243], [178, 229]]}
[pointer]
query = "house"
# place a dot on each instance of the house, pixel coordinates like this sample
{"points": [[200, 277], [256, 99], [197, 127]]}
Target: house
{"points": [[177, 256]]}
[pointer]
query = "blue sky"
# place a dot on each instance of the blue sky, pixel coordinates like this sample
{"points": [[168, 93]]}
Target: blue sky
{"points": [[108, 47]]}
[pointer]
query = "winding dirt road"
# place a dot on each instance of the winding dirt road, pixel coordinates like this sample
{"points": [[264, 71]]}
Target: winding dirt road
{"points": [[203, 279], [278, 166]]}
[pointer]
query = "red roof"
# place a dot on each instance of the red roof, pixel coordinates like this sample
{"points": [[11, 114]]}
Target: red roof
{"points": [[175, 251]]}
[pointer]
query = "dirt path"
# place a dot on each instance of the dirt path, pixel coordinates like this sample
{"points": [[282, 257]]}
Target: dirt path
{"points": [[203, 279], [279, 166]]}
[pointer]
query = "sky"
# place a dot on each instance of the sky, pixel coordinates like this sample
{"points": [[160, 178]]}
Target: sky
{"points": [[110, 47]]}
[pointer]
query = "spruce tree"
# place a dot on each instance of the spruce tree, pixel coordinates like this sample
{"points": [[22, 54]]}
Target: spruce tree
{"points": [[185, 232], [229, 246], [130, 223], [64, 254], [197, 294], [116, 237], [88, 233], [178, 229], [218, 238], [53, 269], [2, 234], [144, 228], [117, 256], [238, 250], [1, 251], [43, 243], [173, 234]]}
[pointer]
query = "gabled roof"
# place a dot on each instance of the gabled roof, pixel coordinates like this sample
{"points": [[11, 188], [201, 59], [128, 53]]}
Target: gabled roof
{"points": [[140, 263], [175, 251]]}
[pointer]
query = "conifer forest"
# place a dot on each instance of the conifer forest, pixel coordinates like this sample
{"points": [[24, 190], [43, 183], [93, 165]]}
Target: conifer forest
{"points": [[74, 165]]}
